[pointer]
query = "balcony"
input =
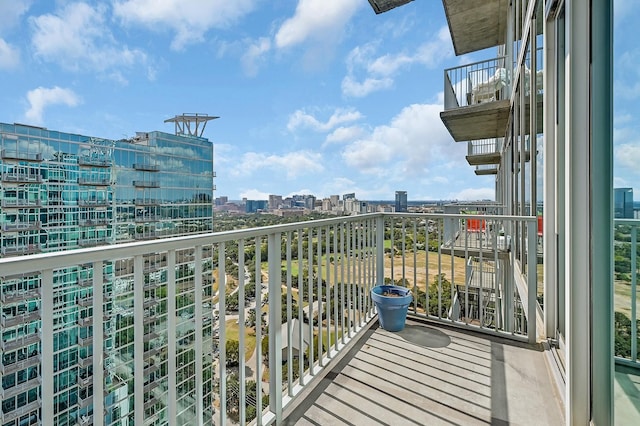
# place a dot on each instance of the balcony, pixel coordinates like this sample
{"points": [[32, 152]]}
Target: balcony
{"points": [[86, 361], [20, 250], [148, 303], [84, 322], [84, 400], [31, 361], [35, 157], [85, 381], [18, 203], [484, 152], [146, 167], [20, 387], [19, 226], [85, 341], [476, 100], [93, 242], [146, 184], [22, 319], [14, 296], [150, 336], [85, 420], [476, 25], [94, 222], [94, 162], [20, 342], [17, 177], [470, 352], [147, 202], [94, 181], [84, 302], [20, 411], [486, 169], [93, 203]]}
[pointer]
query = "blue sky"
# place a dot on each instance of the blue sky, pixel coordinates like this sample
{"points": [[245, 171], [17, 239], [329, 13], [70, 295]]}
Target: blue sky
{"points": [[315, 96]]}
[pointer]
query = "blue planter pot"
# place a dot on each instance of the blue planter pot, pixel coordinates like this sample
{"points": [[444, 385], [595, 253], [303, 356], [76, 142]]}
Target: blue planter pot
{"points": [[392, 310]]}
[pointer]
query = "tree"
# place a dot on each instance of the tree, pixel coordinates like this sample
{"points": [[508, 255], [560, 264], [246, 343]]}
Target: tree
{"points": [[442, 286], [233, 353]]}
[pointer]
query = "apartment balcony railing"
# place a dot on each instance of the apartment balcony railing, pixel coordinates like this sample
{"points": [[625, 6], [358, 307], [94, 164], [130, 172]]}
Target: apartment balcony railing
{"points": [[21, 177], [85, 361], [21, 155], [85, 282], [94, 222], [486, 169], [21, 226], [84, 400], [85, 341], [147, 202], [85, 420], [85, 381], [20, 342], [9, 203], [92, 242], [148, 217], [84, 322], [20, 387], [22, 319], [13, 296], [20, 411], [21, 250], [31, 361], [484, 151], [93, 203], [94, 181], [146, 183], [84, 302], [345, 257], [476, 99], [146, 167], [94, 162]]}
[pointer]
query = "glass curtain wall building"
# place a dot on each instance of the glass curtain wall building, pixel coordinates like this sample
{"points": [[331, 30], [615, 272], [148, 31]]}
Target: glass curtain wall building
{"points": [[61, 191]]}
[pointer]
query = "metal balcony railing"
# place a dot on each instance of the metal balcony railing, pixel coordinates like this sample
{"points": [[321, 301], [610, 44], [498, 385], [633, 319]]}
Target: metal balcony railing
{"points": [[21, 226], [321, 272], [21, 177], [94, 162], [484, 146], [476, 83], [20, 365], [19, 203], [93, 203], [94, 222], [20, 342], [146, 183], [21, 250], [22, 319], [14, 296], [146, 167], [20, 411], [94, 181], [21, 155]]}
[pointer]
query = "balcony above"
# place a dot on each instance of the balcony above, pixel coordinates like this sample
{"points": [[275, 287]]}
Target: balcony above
{"points": [[94, 162], [476, 25], [147, 202], [486, 169], [93, 181], [146, 167], [476, 100], [486, 151], [20, 250], [17, 203], [20, 226], [21, 156], [93, 203], [146, 184], [17, 177]]}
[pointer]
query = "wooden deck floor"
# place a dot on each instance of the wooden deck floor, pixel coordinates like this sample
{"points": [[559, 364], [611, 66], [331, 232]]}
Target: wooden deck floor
{"points": [[432, 375]]}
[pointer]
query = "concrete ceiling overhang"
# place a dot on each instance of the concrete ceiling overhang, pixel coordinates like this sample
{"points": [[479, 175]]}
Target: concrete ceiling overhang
{"points": [[481, 121], [476, 24]]}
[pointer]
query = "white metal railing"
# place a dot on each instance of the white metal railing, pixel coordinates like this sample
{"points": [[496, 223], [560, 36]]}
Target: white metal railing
{"points": [[625, 284], [479, 82], [484, 146], [313, 281]]}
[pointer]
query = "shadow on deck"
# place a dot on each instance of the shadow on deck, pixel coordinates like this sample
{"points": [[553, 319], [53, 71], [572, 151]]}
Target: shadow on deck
{"points": [[433, 374]]}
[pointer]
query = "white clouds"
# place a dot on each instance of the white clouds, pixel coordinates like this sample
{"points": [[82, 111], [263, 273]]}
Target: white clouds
{"points": [[473, 194], [9, 55], [316, 19], [343, 134], [628, 155], [412, 140], [189, 20], [77, 37], [292, 164], [42, 97], [11, 12], [379, 71], [301, 119], [254, 55]]}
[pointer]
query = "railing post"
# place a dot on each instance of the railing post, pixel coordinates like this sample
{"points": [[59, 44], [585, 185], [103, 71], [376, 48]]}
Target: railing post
{"points": [[532, 278], [380, 250], [275, 324]]}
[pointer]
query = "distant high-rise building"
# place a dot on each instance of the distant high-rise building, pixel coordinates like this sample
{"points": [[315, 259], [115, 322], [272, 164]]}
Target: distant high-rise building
{"points": [[401, 201], [349, 196], [253, 206], [61, 191], [623, 203], [335, 200], [222, 200], [275, 201]]}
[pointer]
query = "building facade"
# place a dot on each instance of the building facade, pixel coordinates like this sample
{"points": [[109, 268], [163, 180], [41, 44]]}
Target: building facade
{"points": [[61, 191], [623, 203], [401, 201]]}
